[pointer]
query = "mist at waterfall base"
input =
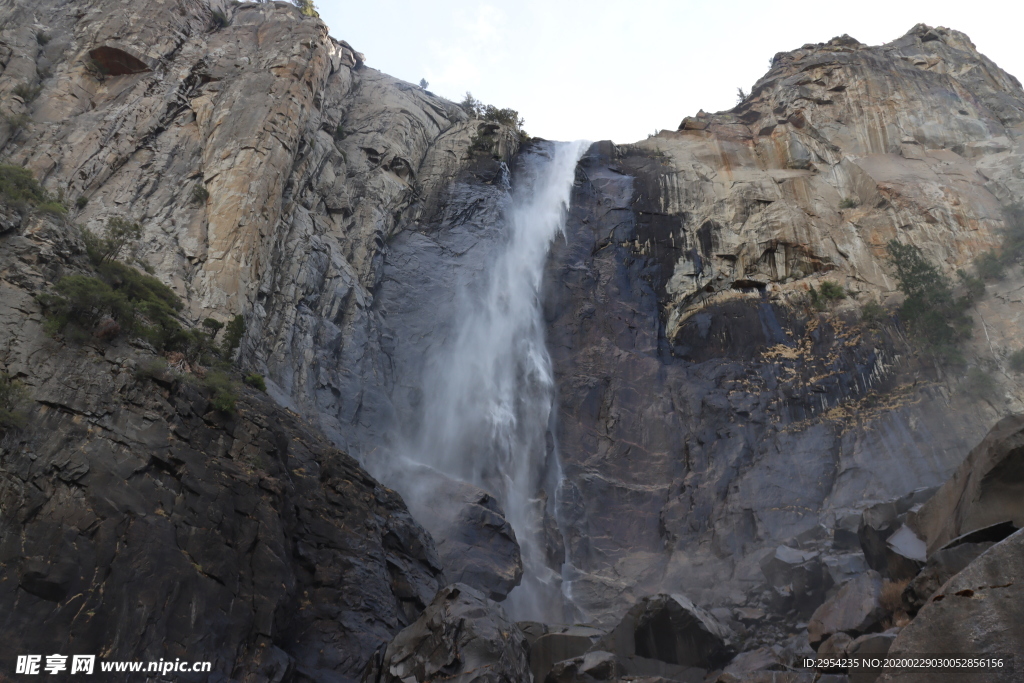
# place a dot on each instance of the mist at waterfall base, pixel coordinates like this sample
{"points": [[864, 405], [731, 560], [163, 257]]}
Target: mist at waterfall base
{"points": [[487, 409]]}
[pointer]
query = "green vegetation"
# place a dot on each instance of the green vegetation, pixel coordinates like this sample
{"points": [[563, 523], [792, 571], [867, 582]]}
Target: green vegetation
{"points": [[980, 384], [424, 83], [13, 399], [222, 389], [873, 313], [1017, 360], [934, 316], [27, 92], [829, 293], [42, 38], [18, 186], [20, 190], [992, 264], [117, 299], [233, 336], [81, 202], [17, 122], [199, 193], [150, 368], [120, 233], [741, 95], [339, 132], [220, 20], [488, 112], [832, 291], [256, 381], [989, 266], [848, 203], [307, 7]]}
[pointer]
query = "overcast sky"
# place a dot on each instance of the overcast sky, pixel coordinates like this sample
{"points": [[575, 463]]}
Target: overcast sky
{"points": [[621, 70]]}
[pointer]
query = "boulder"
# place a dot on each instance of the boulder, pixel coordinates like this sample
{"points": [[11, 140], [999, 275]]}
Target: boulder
{"points": [[558, 645], [987, 488], [601, 665], [779, 677], [844, 535], [941, 566], [761, 659], [846, 566], [905, 553], [461, 637], [854, 609], [802, 572], [878, 524], [869, 645], [836, 644], [475, 543], [977, 612], [692, 123], [670, 628], [594, 666]]}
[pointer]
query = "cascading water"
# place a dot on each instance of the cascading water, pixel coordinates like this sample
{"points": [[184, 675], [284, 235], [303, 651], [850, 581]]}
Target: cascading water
{"points": [[488, 392]]}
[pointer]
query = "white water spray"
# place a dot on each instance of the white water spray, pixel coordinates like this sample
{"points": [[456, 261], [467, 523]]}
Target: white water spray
{"points": [[488, 394]]}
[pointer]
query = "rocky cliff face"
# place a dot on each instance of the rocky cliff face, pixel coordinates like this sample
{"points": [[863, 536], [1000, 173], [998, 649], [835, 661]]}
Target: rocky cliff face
{"points": [[707, 412], [268, 167]]}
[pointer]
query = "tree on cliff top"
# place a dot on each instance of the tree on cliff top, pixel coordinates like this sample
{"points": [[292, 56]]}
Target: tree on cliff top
{"points": [[488, 112], [307, 7]]}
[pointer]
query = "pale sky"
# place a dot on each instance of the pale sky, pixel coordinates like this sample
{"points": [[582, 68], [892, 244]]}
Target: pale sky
{"points": [[620, 70]]}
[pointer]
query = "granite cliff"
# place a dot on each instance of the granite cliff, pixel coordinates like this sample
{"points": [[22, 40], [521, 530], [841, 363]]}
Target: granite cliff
{"points": [[710, 416]]}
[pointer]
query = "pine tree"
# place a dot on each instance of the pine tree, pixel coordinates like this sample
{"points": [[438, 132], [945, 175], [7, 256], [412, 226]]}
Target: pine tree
{"points": [[307, 7]]}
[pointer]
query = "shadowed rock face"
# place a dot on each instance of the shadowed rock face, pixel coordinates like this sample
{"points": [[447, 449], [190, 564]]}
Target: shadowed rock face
{"points": [[140, 523], [475, 544], [707, 407], [461, 637]]}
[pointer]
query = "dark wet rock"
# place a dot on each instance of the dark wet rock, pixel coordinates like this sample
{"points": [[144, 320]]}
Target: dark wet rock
{"points": [[779, 677], [559, 644], [988, 534], [979, 611], [854, 609], [131, 507], [532, 630], [670, 628], [762, 659], [593, 666], [844, 535], [803, 573], [600, 665], [987, 488], [845, 566], [477, 546], [461, 637], [900, 559]]}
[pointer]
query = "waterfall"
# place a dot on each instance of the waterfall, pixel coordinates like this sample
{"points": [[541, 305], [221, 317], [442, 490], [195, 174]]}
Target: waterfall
{"points": [[489, 392]]}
